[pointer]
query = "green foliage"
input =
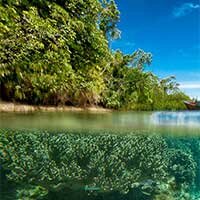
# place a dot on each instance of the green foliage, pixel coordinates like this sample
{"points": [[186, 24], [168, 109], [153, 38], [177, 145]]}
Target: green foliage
{"points": [[109, 18], [56, 52], [51, 52], [132, 87]]}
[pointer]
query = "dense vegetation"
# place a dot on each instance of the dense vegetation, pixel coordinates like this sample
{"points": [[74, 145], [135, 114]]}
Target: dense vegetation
{"points": [[46, 165], [57, 52]]}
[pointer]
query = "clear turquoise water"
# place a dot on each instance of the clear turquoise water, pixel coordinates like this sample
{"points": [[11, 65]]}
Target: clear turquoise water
{"points": [[118, 155]]}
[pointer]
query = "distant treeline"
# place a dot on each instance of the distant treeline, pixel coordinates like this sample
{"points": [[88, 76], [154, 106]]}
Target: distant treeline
{"points": [[57, 52]]}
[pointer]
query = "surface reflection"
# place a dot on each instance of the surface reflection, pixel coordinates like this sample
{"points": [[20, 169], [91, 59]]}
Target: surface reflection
{"points": [[157, 122], [177, 118]]}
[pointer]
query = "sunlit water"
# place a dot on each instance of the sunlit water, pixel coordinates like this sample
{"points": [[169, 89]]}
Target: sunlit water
{"points": [[100, 156]]}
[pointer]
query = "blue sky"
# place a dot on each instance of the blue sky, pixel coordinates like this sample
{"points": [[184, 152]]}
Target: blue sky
{"points": [[170, 30]]}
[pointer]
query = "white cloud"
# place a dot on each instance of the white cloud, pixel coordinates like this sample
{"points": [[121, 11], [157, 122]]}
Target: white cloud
{"points": [[185, 9], [191, 88], [189, 85]]}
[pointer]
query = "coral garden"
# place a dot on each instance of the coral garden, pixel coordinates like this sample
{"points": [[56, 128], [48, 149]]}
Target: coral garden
{"points": [[93, 166]]}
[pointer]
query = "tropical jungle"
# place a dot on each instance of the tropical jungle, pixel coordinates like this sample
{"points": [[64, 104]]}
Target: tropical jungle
{"points": [[56, 52]]}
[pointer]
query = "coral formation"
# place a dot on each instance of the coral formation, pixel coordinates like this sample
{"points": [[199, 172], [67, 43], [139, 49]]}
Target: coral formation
{"points": [[97, 166]]}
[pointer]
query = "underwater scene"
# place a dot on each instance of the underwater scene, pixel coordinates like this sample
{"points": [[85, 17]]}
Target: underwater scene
{"points": [[100, 156]]}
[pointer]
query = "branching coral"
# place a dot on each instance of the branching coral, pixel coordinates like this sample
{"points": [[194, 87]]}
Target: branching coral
{"points": [[182, 167], [105, 162], [100, 164], [191, 147]]}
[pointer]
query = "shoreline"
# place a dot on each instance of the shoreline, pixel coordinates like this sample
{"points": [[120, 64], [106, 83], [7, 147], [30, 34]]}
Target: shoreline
{"points": [[9, 107]]}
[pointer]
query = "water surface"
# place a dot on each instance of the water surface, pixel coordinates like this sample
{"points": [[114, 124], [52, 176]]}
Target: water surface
{"points": [[179, 123]]}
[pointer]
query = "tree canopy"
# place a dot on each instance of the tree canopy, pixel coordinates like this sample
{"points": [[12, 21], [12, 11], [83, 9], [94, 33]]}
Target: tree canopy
{"points": [[57, 52]]}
